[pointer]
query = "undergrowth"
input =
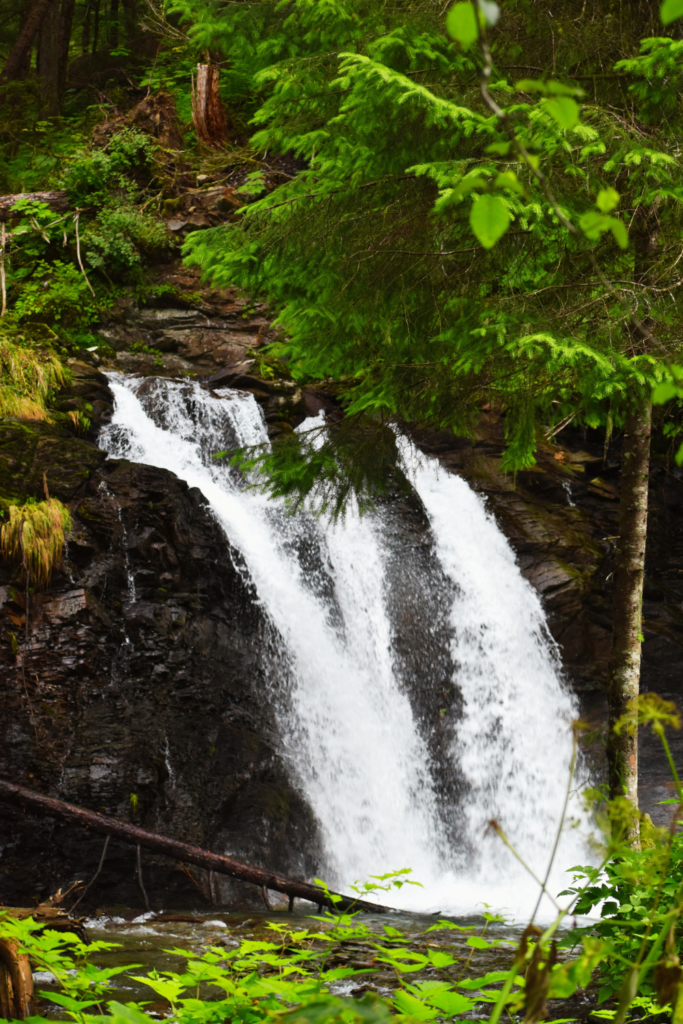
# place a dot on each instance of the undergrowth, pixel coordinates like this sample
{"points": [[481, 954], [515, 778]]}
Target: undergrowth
{"points": [[33, 537], [29, 374], [294, 975]]}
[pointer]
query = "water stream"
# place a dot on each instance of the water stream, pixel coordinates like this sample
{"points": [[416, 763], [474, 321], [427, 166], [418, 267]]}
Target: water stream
{"points": [[352, 731]]}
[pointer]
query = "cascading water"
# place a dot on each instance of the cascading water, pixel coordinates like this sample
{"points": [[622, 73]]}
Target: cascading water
{"points": [[350, 733]]}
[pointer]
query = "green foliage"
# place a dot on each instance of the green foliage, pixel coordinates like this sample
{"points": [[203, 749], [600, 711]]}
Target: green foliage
{"points": [[288, 975], [34, 535], [93, 173], [462, 23], [121, 237], [416, 254], [30, 371], [55, 292], [324, 470]]}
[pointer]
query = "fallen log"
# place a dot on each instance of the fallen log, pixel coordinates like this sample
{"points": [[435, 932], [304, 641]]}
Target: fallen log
{"points": [[9, 791], [57, 200]]}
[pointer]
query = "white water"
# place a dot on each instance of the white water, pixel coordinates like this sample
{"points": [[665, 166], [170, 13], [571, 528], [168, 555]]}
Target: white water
{"points": [[349, 733]]}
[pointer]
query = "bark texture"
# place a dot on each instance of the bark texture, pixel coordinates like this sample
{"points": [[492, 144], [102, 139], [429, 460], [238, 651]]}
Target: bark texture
{"points": [[15, 64], [629, 573], [53, 54], [183, 851], [207, 110]]}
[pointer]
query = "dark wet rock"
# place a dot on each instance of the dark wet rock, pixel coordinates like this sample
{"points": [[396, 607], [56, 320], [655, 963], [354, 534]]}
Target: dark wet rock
{"points": [[180, 328], [561, 517], [142, 693]]}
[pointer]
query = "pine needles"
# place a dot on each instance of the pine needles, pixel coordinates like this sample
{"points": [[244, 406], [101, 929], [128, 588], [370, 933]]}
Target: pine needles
{"points": [[34, 538]]}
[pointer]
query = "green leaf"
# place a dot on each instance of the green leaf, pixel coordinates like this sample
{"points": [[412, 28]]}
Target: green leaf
{"points": [[499, 148], [593, 224], [508, 179], [565, 110], [408, 1004], [128, 1013], [608, 199], [461, 24], [664, 393], [451, 1002], [548, 88], [670, 10], [478, 942], [489, 219], [618, 229]]}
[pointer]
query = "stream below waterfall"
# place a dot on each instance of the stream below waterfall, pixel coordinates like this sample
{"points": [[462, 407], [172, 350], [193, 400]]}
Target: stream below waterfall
{"points": [[418, 693]]}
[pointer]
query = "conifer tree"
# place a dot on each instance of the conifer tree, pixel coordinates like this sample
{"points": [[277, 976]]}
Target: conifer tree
{"points": [[460, 234]]}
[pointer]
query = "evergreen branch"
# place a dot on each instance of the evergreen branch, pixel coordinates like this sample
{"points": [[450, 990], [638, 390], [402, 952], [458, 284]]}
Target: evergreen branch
{"points": [[570, 228]]}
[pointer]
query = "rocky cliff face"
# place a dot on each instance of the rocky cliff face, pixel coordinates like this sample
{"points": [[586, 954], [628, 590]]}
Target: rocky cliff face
{"points": [[561, 517], [142, 689]]}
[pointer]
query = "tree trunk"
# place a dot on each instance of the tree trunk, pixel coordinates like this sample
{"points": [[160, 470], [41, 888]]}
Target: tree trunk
{"points": [[53, 54], [113, 25], [85, 29], [130, 26], [629, 572], [96, 26], [55, 808], [208, 114], [16, 62]]}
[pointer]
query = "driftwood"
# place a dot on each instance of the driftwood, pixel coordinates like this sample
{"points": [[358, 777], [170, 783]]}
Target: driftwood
{"points": [[56, 200], [208, 114], [181, 851]]}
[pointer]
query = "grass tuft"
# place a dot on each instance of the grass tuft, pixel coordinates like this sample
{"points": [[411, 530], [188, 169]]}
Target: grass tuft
{"points": [[39, 530]]}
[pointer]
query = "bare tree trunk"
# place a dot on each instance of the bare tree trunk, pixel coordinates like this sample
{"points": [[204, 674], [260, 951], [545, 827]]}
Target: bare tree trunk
{"points": [[85, 29], [130, 27], [207, 110], [96, 26], [16, 62], [185, 852], [113, 26], [53, 54], [629, 572]]}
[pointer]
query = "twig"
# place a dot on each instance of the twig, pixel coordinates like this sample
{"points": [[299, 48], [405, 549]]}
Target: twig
{"points": [[78, 253], [25, 653], [140, 882], [572, 768], [3, 242], [99, 868]]}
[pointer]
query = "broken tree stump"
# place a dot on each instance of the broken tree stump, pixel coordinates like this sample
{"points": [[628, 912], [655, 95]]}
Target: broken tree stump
{"points": [[208, 114], [16, 983], [55, 808]]}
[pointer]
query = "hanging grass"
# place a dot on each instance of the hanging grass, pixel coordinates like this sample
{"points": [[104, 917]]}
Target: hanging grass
{"points": [[41, 536], [28, 375]]}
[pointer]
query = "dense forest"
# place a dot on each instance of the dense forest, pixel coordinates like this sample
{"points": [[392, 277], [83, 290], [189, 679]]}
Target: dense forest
{"points": [[454, 223]]}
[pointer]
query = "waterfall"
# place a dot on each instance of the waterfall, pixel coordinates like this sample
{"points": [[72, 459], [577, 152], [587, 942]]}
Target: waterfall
{"points": [[350, 731]]}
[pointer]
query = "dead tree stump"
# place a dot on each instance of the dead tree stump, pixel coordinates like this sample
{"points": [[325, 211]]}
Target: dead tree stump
{"points": [[208, 114], [16, 983]]}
